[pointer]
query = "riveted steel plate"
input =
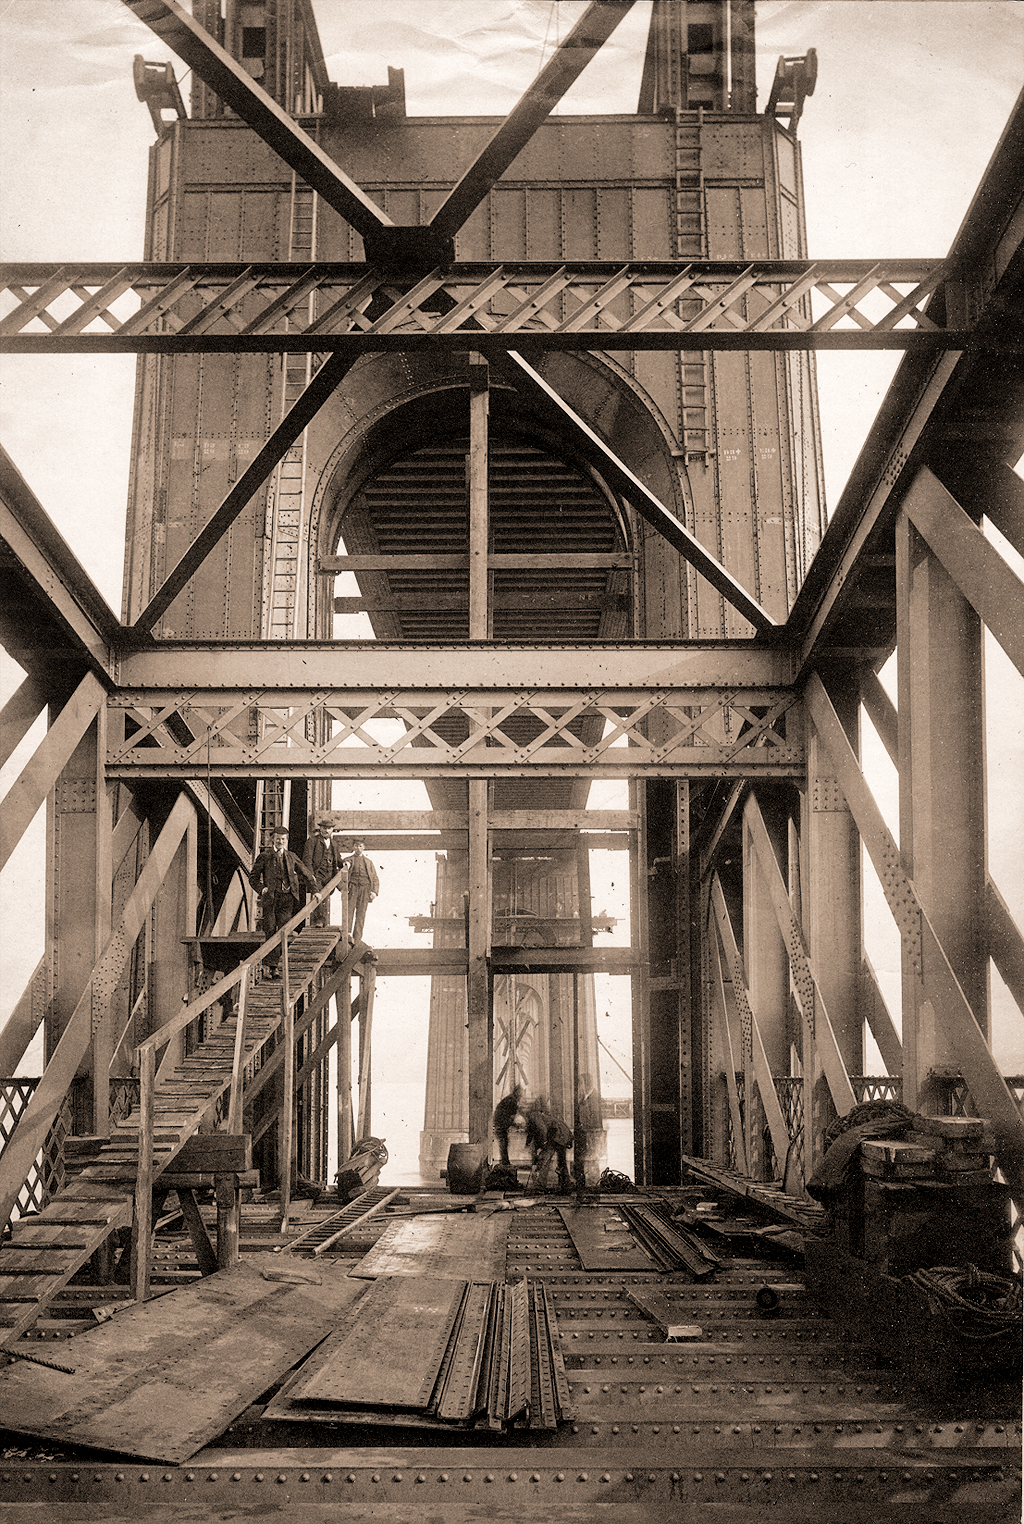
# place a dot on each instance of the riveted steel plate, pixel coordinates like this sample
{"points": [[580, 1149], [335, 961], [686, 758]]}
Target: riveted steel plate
{"points": [[390, 1353], [603, 1240], [164, 1377], [467, 1247]]}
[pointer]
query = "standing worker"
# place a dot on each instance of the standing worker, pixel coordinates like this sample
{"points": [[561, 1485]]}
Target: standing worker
{"points": [[322, 857], [505, 1114], [362, 888], [275, 876]]}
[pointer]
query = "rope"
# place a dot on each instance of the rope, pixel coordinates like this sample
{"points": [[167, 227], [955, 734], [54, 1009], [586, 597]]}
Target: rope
{"points": [[979, 1304]]}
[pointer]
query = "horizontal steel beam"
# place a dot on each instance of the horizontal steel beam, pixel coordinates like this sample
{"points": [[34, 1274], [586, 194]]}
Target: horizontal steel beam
{"points": [[357, 308], [300, 668], [594, 733], [351, 821]]}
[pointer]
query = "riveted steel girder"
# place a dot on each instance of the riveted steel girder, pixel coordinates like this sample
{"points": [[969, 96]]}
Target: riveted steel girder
{"points": [[744, 1475], [196, 308], [463, 732], [301, 667]]}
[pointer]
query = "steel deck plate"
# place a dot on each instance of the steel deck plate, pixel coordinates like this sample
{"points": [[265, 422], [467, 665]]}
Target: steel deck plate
{"points": [[390, 1353], [603, 1240], [162, 1378], [467, 1247]]}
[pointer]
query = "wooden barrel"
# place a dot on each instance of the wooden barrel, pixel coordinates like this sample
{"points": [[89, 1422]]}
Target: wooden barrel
{"points": [[466, 1165]]}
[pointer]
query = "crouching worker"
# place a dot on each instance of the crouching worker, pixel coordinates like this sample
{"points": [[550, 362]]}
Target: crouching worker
{"points": [[548, 1137]]}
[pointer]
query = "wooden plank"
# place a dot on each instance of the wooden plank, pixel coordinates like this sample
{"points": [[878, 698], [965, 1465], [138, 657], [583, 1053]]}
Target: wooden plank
{"points": [[215, 1152], [35, 1121], [603, 1241], [391, 1353], [160, 1381], [59, 1212], [467, 1247], [44, 1259]]}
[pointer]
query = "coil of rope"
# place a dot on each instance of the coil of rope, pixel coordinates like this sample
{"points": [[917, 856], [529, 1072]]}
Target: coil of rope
{"points": [[978, 1304]]}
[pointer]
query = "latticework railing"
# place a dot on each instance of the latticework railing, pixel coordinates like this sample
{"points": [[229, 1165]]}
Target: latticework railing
{"points": [[46, 1176]]}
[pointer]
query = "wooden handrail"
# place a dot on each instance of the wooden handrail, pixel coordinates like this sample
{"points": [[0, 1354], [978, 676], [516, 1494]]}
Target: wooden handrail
{"points": [[142, 1225], [238, 1059], [224, 986]]}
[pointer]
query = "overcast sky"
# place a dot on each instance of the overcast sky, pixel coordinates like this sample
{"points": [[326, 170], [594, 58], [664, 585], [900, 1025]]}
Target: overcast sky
{"points": [[911, 98]]}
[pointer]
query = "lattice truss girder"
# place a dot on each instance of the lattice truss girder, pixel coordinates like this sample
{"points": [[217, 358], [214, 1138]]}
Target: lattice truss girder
{"points": [[269, 307], [598, 733]]}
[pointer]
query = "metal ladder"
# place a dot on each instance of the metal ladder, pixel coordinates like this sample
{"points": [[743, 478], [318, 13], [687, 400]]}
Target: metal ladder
{"points": [[690, 242]]}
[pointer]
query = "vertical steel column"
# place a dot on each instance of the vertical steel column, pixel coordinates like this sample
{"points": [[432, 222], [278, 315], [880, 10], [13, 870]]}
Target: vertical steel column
{"points": [[641, 996], [285, 1142], [691, 1046], [481, 1037], [832, 903], [767, 967], [103, 1033], [77, 898], [478, 1013], [479, 513], [367, 987], [171, 922], [942, 790], [343, 1013]]}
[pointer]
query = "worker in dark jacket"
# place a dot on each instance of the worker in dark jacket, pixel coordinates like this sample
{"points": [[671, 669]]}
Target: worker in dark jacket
{"points": [[322, 857], [275, 876], [548, 1137], [505, 1114], [362, 888]]}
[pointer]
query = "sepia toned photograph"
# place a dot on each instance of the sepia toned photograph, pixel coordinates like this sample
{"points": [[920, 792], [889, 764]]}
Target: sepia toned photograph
{"points": [[511, 760]]}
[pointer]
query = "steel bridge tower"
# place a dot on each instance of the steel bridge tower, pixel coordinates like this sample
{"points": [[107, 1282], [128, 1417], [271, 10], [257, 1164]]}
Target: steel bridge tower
{"points": [[544, 389], [390, 468]]}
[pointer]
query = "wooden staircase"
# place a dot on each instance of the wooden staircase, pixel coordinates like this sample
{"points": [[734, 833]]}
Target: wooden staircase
{"points": [[44, 1251]]}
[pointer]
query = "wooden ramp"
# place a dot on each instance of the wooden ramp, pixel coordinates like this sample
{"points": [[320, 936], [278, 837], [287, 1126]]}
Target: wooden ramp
{"points": [[44, 1252], [163, 1378]]}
